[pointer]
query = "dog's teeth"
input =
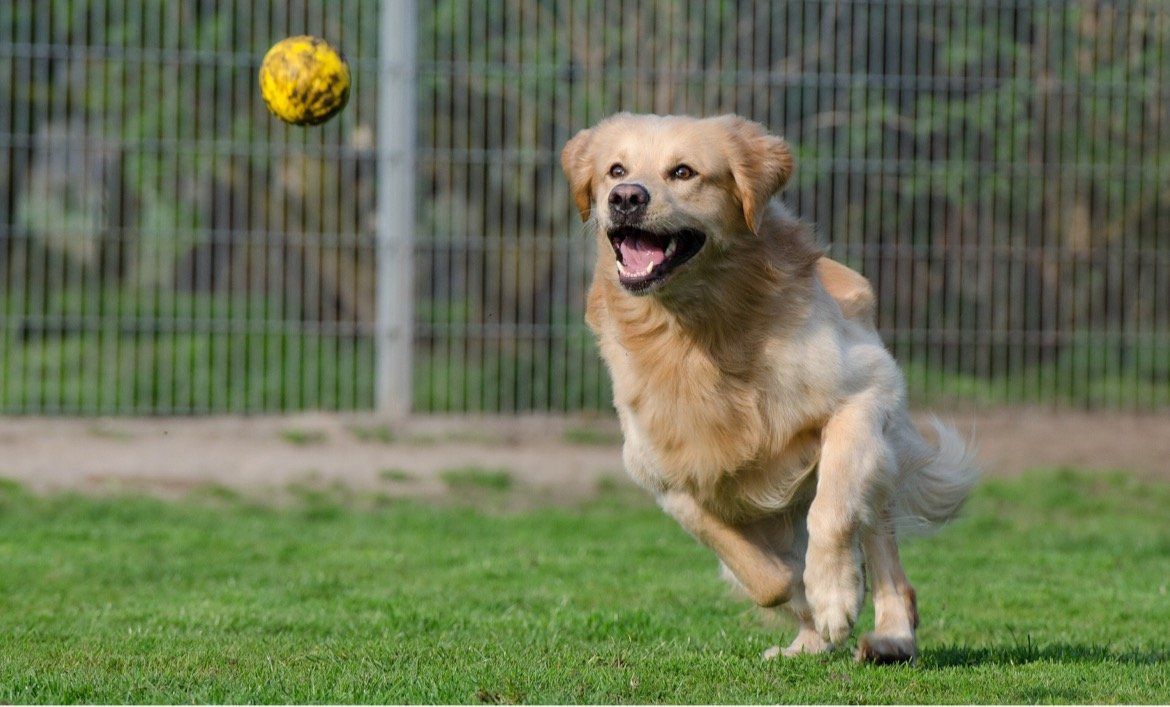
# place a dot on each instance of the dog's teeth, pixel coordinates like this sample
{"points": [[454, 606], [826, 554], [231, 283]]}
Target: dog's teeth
{"points": [[670, 248]]}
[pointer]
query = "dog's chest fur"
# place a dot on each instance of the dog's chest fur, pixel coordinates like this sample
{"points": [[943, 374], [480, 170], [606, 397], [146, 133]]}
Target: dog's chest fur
{"points": [[739, 428]]}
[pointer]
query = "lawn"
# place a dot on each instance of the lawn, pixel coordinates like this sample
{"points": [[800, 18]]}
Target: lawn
{"points": [[1052, 589]]}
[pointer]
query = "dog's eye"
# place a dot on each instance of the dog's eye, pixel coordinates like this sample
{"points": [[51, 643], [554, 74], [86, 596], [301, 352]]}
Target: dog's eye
{"points": [[617, 171], [682, 172]]}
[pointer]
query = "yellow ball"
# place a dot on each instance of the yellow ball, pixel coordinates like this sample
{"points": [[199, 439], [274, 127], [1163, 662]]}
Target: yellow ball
{"points": [[304, 80]]}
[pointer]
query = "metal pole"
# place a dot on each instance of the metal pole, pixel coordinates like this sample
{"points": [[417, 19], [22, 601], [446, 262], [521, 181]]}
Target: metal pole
{"points": [[395, 217]]}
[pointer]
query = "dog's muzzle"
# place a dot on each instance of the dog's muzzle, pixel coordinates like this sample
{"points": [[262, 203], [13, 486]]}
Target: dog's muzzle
{"points": [[646, 259]]}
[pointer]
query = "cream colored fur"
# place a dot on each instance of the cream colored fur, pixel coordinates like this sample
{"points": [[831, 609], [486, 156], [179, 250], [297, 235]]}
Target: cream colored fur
{"points": [[756, 399]]}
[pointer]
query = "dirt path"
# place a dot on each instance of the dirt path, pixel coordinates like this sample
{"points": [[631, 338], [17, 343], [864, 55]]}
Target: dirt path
{"points": [[551, 459]]}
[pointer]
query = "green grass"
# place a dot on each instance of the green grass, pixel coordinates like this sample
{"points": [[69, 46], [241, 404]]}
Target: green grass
{"points": [[473, 477], [395, 475], [381, 434], [589, 436], [303, 437], [1053, 589]]}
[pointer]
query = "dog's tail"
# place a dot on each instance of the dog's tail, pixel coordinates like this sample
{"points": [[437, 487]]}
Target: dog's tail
{"points": [[935, 481]]}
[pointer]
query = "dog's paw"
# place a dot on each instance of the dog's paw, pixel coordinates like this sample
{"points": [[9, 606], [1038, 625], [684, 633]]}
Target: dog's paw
{"points": [[834, 587], [835, 622], [876, 648], [808, 641]]}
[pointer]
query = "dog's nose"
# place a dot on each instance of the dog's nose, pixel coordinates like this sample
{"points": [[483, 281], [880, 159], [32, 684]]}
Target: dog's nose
{"points": [[628, 199]]}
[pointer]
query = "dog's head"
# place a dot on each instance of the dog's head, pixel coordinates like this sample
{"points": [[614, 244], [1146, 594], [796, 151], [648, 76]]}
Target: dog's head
{"points": [[665, 190]]}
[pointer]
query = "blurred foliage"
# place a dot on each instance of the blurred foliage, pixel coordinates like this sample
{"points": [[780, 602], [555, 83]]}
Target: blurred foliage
{"points": [[165, 244], [999, 170]]}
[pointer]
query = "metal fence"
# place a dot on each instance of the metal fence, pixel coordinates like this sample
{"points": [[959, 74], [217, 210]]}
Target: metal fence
{"points": [[166, 246], [1000, 169]]}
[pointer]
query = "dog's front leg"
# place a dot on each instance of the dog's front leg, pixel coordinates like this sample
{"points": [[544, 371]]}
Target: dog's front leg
{"points": [[764, 575], [853, 467]]}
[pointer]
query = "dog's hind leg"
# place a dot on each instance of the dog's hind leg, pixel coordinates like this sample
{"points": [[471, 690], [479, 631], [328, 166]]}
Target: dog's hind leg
{"points": [[895, 605]]}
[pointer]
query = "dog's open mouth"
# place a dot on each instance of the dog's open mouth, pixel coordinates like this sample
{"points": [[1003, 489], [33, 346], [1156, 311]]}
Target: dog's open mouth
{"points": [[645, 258]]}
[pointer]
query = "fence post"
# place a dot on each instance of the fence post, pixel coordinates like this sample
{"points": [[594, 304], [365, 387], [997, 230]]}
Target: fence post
{"points": [[395, 214]]}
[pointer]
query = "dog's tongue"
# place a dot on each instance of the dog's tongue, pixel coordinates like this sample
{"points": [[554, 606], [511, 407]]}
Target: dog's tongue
{"points": [[638, 253]]}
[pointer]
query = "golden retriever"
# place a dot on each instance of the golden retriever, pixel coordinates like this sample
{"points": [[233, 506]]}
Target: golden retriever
{"points": [[756, 399]]}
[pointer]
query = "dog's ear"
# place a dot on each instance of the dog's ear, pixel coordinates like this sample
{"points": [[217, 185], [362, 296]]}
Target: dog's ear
{"points": [[579, 170], [761, 165]]}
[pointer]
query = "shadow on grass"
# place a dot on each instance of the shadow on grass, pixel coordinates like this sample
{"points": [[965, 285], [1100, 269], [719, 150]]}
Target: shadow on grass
{"points": [[1018, 654]]}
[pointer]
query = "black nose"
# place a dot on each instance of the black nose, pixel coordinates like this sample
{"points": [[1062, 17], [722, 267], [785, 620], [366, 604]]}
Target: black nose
{"points": [[628, 199]]}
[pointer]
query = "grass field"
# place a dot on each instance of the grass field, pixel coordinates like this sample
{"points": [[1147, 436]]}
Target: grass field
{"points": [[1052, 589]]}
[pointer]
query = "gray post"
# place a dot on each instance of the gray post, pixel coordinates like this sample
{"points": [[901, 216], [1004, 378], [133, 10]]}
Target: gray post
{"points": [[395, 216]]}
